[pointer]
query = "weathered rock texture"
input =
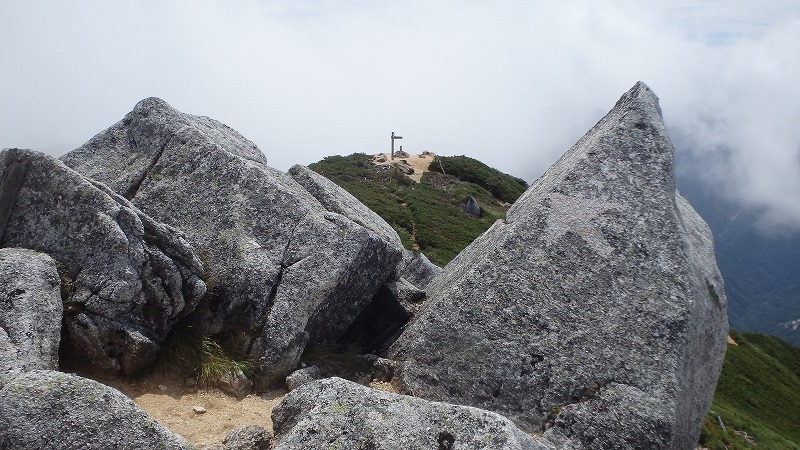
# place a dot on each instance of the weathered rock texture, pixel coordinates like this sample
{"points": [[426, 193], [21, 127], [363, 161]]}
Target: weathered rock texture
{"points": [[418, 269], [337, 200], [595, 305], [30, 312], [334, 413], [127, 279], [47, 409], [283, 270]]}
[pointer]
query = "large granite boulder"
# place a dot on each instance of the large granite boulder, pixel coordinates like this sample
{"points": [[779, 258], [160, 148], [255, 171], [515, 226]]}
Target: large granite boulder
{"points": [[596, 304], [283, 271], [30, 312], [47, 409], [418, 269], [335, 413], [126, 279]]}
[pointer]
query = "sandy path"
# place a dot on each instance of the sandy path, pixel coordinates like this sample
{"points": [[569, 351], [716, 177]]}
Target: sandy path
{"points": [[171, 403], [419, 163]]}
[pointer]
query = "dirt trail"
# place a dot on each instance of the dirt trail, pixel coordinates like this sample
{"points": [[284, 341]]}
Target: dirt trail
{"points": [[171, 402], [419, 163]]}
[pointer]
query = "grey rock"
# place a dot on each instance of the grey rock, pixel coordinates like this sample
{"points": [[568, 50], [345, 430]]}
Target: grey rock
{"points": [[618, 416], [337, 200], [382, 368], [128, 279], [30, 312], [47, 409], [600, 275], [418, 269], [407, 293], [302, 376], [235, 383], [248, 437], [334, 413], [404, 167], [471, 207], [282, 270]]}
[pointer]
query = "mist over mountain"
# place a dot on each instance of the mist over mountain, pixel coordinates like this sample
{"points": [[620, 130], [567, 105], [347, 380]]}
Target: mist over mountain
{"points": [[759, 258]]}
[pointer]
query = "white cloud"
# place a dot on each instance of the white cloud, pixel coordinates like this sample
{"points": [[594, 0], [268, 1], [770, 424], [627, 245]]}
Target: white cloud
{"points": [[513, 83]]}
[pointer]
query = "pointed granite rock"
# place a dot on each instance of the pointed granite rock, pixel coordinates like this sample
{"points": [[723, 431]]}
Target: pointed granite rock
{"points": [[283, 271], [126, 278], [595, 312]]}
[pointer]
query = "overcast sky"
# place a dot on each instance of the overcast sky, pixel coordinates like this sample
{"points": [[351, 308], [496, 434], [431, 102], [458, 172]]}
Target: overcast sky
{"points": [[512, 83]]}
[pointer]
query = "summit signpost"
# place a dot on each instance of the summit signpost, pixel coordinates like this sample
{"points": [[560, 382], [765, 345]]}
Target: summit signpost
{"points": [[393, 138]]}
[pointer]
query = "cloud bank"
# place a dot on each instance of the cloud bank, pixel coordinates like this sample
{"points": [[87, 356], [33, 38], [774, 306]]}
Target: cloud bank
{"points": [[512, 83]]}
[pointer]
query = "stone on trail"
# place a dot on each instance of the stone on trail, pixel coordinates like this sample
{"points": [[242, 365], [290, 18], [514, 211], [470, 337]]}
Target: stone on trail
{"points": [[126, 279], [30, 312], [282, 270], [335, 413], [595, 305]]}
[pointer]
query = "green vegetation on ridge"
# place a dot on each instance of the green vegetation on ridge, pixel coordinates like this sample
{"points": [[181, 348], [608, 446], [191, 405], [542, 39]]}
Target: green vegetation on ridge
{"points": [[758, 393], [502, 186], [427, 215]]}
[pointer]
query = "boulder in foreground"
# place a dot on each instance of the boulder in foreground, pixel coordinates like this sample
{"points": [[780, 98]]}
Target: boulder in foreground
{"points": [[47, 409], [284, 272], [597, 304], [128, 279], [335, 413]]}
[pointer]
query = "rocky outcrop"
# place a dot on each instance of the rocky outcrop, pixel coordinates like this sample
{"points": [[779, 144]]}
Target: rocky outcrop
{"points": [[595, 305], [337, 200], [282, 270], [334, 413], [47, 409], [126, 279], [30, 312]]}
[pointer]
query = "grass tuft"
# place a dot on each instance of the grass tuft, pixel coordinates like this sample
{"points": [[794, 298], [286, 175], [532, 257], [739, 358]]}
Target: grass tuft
{"points": [[189, 353]]}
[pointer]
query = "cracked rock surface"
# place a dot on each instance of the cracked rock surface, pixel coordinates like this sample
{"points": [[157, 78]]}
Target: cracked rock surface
{"points": [[48, 409], [282, 270], [30, 312], [335, 413], [126, 279], [597, 304]]}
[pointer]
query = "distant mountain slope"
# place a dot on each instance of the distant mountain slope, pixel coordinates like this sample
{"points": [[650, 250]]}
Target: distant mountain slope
{"points": [[427, 215], [762, 274], [758, 393]]}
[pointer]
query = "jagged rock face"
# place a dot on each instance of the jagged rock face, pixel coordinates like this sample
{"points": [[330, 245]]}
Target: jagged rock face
{"points": [[334, 413], [47, 409], [601, 283], [30, 312], [128, 279], [283, 271]]}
